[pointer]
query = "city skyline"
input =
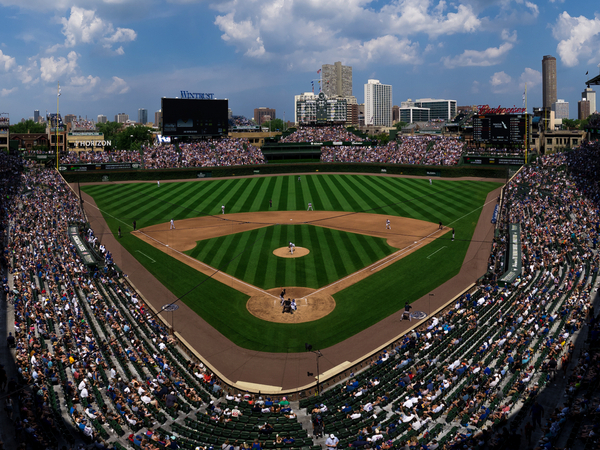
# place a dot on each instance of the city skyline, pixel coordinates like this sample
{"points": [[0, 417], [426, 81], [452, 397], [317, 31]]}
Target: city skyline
{"points": [[113, 57]]}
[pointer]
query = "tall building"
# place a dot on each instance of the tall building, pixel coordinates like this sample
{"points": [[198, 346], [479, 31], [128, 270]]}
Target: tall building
{"points": [[158, 118], [337, 80], [549, 90], [36, 116], [583, 109], [101, 118], [438, 108], [561, 109], [68, 118], [590, 95], [410, 112], [121, 118], [261, 113], [378, 104], [143, 116]]}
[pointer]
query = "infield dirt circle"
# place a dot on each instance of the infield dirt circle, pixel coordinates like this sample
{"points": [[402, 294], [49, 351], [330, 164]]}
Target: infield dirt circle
{"points": [[311, 305], [284, 252]]}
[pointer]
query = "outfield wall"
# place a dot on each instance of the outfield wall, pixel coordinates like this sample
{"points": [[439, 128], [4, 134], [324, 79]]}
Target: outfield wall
{"points": [[98, 175]]}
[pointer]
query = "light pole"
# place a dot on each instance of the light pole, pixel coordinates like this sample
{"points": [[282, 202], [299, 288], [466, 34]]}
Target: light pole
{"points": [[318, 354]]}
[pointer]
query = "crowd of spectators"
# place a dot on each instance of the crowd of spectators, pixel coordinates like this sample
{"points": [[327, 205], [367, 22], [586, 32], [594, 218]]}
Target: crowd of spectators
{"points": [[427, 150], [208, 153], [322, 134], [83, 124], [97, 157]]}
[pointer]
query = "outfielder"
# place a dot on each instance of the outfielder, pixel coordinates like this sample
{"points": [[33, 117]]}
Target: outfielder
{"points": [[310, 207], [223, 209]]}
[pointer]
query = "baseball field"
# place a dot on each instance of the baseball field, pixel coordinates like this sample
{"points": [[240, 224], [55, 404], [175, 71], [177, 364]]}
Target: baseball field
{"points": [[345, 236]]}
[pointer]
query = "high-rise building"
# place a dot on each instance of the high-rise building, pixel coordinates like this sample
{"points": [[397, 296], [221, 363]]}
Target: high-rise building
{"points": [[337, 80], [583, 109], [36, 116], [68, 118], [590, 95], [262, 112], [158, 118], [121, 118], [549, 89], [101, 118], [561, 109], [143, 116], [438, 108], [378, 104], [410, 112]]}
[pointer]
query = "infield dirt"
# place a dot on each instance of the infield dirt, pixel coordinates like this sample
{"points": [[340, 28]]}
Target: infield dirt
{"points": [[407, 235]]}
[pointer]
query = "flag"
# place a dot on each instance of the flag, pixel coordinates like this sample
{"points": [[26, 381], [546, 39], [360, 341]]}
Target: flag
{"points": [[319, 71], [586, 72], [58, 95]]}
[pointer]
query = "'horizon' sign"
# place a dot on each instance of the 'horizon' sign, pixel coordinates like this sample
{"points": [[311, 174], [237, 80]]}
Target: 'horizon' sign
{"points": [[197, 95]]}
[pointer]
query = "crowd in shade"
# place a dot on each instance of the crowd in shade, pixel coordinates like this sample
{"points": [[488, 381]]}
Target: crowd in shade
{"points": [[83, 124], [240, 121], [321, 134], [425, 150], [93, 357]]}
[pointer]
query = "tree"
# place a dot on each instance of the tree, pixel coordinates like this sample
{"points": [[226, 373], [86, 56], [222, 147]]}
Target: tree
{"points": [[132, 138], [110, 131], [382, 138], [273, 125], [571, 124], [29, 126], [400, 125]]}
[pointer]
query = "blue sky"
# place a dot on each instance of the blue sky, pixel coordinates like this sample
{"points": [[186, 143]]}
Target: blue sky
{"points": [[114, 56]]}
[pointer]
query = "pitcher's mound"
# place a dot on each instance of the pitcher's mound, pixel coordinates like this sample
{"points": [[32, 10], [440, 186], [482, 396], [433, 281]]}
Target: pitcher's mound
{"points": [[309, 307], [284, 252]]}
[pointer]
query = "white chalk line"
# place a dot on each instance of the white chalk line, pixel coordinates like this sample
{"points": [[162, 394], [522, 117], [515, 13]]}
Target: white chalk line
{"points": [[206, 265], [146, 256], [436, 251], [382, 262]]}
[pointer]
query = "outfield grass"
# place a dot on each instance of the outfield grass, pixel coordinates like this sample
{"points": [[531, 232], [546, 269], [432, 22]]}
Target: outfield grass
{"points": [[324, 264], [454, 202]]}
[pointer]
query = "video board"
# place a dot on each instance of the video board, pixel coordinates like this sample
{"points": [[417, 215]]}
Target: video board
{"points": [[499, 128], [194, 117]]}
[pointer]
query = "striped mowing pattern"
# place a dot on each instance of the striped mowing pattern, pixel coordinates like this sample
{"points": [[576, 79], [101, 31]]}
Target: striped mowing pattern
{"points": [[333, 255], [415, 198]]}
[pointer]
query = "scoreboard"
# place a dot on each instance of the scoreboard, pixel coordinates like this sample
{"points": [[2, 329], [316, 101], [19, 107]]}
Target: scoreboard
{"points": [[194, 117], [499, 128]]}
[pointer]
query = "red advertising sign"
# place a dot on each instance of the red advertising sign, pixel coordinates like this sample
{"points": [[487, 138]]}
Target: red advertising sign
{"points": [[485, 109]]}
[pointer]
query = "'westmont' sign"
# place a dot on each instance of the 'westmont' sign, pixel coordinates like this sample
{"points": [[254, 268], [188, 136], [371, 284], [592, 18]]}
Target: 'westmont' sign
{"points": [[485, 109]]}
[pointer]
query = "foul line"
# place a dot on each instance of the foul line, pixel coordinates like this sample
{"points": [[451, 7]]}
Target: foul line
{"points": [[206, 265], [436, 251], [382, 262], [146, 256]]}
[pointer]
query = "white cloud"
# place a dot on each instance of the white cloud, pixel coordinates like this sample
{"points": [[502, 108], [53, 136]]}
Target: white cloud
{"points": [[85, 81], [531, 77], [52, 69], [28, 74], [6, 61], [6, 92], [303, 31], [488, 57], [83, 26], [118, 86], [533, 8], [475, 87], [500, 82], [577, 36], [508, 36]]}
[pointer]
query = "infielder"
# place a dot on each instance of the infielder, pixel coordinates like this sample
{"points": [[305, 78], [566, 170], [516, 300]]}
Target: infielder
{"points": [[388, 225], [172, 225], [310, 208], [223, 209], [292, 247]]}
